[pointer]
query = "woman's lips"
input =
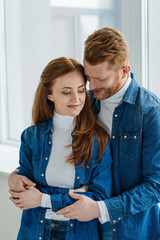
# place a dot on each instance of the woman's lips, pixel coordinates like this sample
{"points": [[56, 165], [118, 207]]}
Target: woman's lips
{"points": [[74, 106]]}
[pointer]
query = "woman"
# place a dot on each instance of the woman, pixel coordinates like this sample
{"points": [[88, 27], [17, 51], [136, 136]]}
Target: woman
{"points": [[64, 149]]}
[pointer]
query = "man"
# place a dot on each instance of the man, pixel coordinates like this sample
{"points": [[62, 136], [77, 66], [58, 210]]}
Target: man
{"points": [[131, 115]]}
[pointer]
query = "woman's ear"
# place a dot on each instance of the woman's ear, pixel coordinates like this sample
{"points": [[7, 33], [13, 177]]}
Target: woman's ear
{"points": [[50, 97]]}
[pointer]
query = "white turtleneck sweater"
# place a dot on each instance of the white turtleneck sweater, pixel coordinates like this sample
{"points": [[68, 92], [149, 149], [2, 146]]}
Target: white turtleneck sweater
{"points": [[58, 172], [108, 105]]}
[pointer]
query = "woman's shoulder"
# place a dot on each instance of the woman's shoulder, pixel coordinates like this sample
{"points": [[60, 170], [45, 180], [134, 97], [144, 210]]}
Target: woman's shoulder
{"points": [[38, 130]]}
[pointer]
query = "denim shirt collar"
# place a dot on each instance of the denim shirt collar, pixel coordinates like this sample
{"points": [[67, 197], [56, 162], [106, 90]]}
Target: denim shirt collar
{"points": [[47, 126], [131, 93]]}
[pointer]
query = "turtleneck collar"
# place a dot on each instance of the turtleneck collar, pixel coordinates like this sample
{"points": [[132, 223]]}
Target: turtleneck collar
{"points": [[61, 121]]}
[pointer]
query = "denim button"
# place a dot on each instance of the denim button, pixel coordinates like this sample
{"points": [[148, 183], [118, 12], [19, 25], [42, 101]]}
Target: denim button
{"points": [[116, 115], [78, 177], [49, 142], [41, 221], [46, 158], [42, 175], [54, 225], [125, 136], [71, 225], [119, 218], [113, 137], [40, 238], [114, 229], [114, 221]]}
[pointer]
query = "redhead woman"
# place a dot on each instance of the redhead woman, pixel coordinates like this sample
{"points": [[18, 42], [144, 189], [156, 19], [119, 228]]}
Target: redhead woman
{"points": [[63, 150]]}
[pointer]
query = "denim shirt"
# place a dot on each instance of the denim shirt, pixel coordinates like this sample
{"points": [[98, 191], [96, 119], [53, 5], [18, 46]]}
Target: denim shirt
{"points": [[135, 146], [36, 144]]}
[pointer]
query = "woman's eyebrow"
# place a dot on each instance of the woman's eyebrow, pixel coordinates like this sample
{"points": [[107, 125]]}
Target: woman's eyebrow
{"points": [[71, 87], [66, 87], [81, 86]]}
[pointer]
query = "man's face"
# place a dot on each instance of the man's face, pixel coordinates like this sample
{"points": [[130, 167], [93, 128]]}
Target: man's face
{"points": [[104, 79]]}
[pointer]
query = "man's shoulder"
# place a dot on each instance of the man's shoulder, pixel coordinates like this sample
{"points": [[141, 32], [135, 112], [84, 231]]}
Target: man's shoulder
{"points": [[141, 98], [147, 100]]}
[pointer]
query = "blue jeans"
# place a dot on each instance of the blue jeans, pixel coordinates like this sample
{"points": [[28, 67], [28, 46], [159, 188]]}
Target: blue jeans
{"points": [[55, 230], [106, 231]]}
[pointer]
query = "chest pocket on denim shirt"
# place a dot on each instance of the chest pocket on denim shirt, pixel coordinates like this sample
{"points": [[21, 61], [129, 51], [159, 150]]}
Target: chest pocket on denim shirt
{"points": [[130, 144]]}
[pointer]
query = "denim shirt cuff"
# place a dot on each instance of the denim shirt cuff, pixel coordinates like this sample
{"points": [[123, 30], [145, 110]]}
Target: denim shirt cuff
{"points": [[115, 209], [56, 201]]}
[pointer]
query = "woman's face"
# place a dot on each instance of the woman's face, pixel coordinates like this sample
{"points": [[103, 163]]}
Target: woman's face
{"points": [[68, 94]]}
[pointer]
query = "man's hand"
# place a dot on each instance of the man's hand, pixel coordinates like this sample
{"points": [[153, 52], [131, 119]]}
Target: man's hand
{"points": [[84, 209], [18, 182], [29, 198], [82, 189]]}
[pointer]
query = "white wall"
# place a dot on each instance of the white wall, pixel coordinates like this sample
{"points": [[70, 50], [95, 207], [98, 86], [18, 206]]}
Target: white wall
{"points": [[9, 215]]}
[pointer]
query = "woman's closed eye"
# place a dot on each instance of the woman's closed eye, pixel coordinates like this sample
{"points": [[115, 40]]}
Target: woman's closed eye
{"points": [[81, 90], [69, 92], [66, 93]]}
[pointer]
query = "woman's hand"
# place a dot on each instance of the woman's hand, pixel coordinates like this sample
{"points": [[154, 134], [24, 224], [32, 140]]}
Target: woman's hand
{"points": [[29, 198]]}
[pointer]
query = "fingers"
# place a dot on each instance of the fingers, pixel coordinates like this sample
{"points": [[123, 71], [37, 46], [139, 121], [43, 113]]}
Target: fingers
{"points": [[82, 189], [27, 182], [75, 195], [17, 202], [64, 210], [15, 194], [29, 187], [70, 215], [67, 212]]}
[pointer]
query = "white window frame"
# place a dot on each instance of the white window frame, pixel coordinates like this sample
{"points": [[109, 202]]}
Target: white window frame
{"points": [[76, 13], [145, 43], [3, 80]]}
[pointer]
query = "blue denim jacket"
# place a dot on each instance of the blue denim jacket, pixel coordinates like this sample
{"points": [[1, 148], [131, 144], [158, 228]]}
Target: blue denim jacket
{"points": [[36, 143], [135, 145]]}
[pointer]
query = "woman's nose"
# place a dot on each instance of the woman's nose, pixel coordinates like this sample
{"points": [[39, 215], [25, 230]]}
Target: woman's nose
{"points": [[75, 96]]}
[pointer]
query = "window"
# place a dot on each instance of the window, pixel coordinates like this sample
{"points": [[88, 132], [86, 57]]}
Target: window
{"points": [[31, 38]]}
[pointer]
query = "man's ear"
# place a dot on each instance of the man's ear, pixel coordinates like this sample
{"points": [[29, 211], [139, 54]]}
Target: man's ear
{"points": [[126, 69], [50, 97]]}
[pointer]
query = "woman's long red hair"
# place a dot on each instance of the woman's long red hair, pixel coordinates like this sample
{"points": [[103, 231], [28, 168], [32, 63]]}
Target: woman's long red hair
{"points": [[85, 128]]}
